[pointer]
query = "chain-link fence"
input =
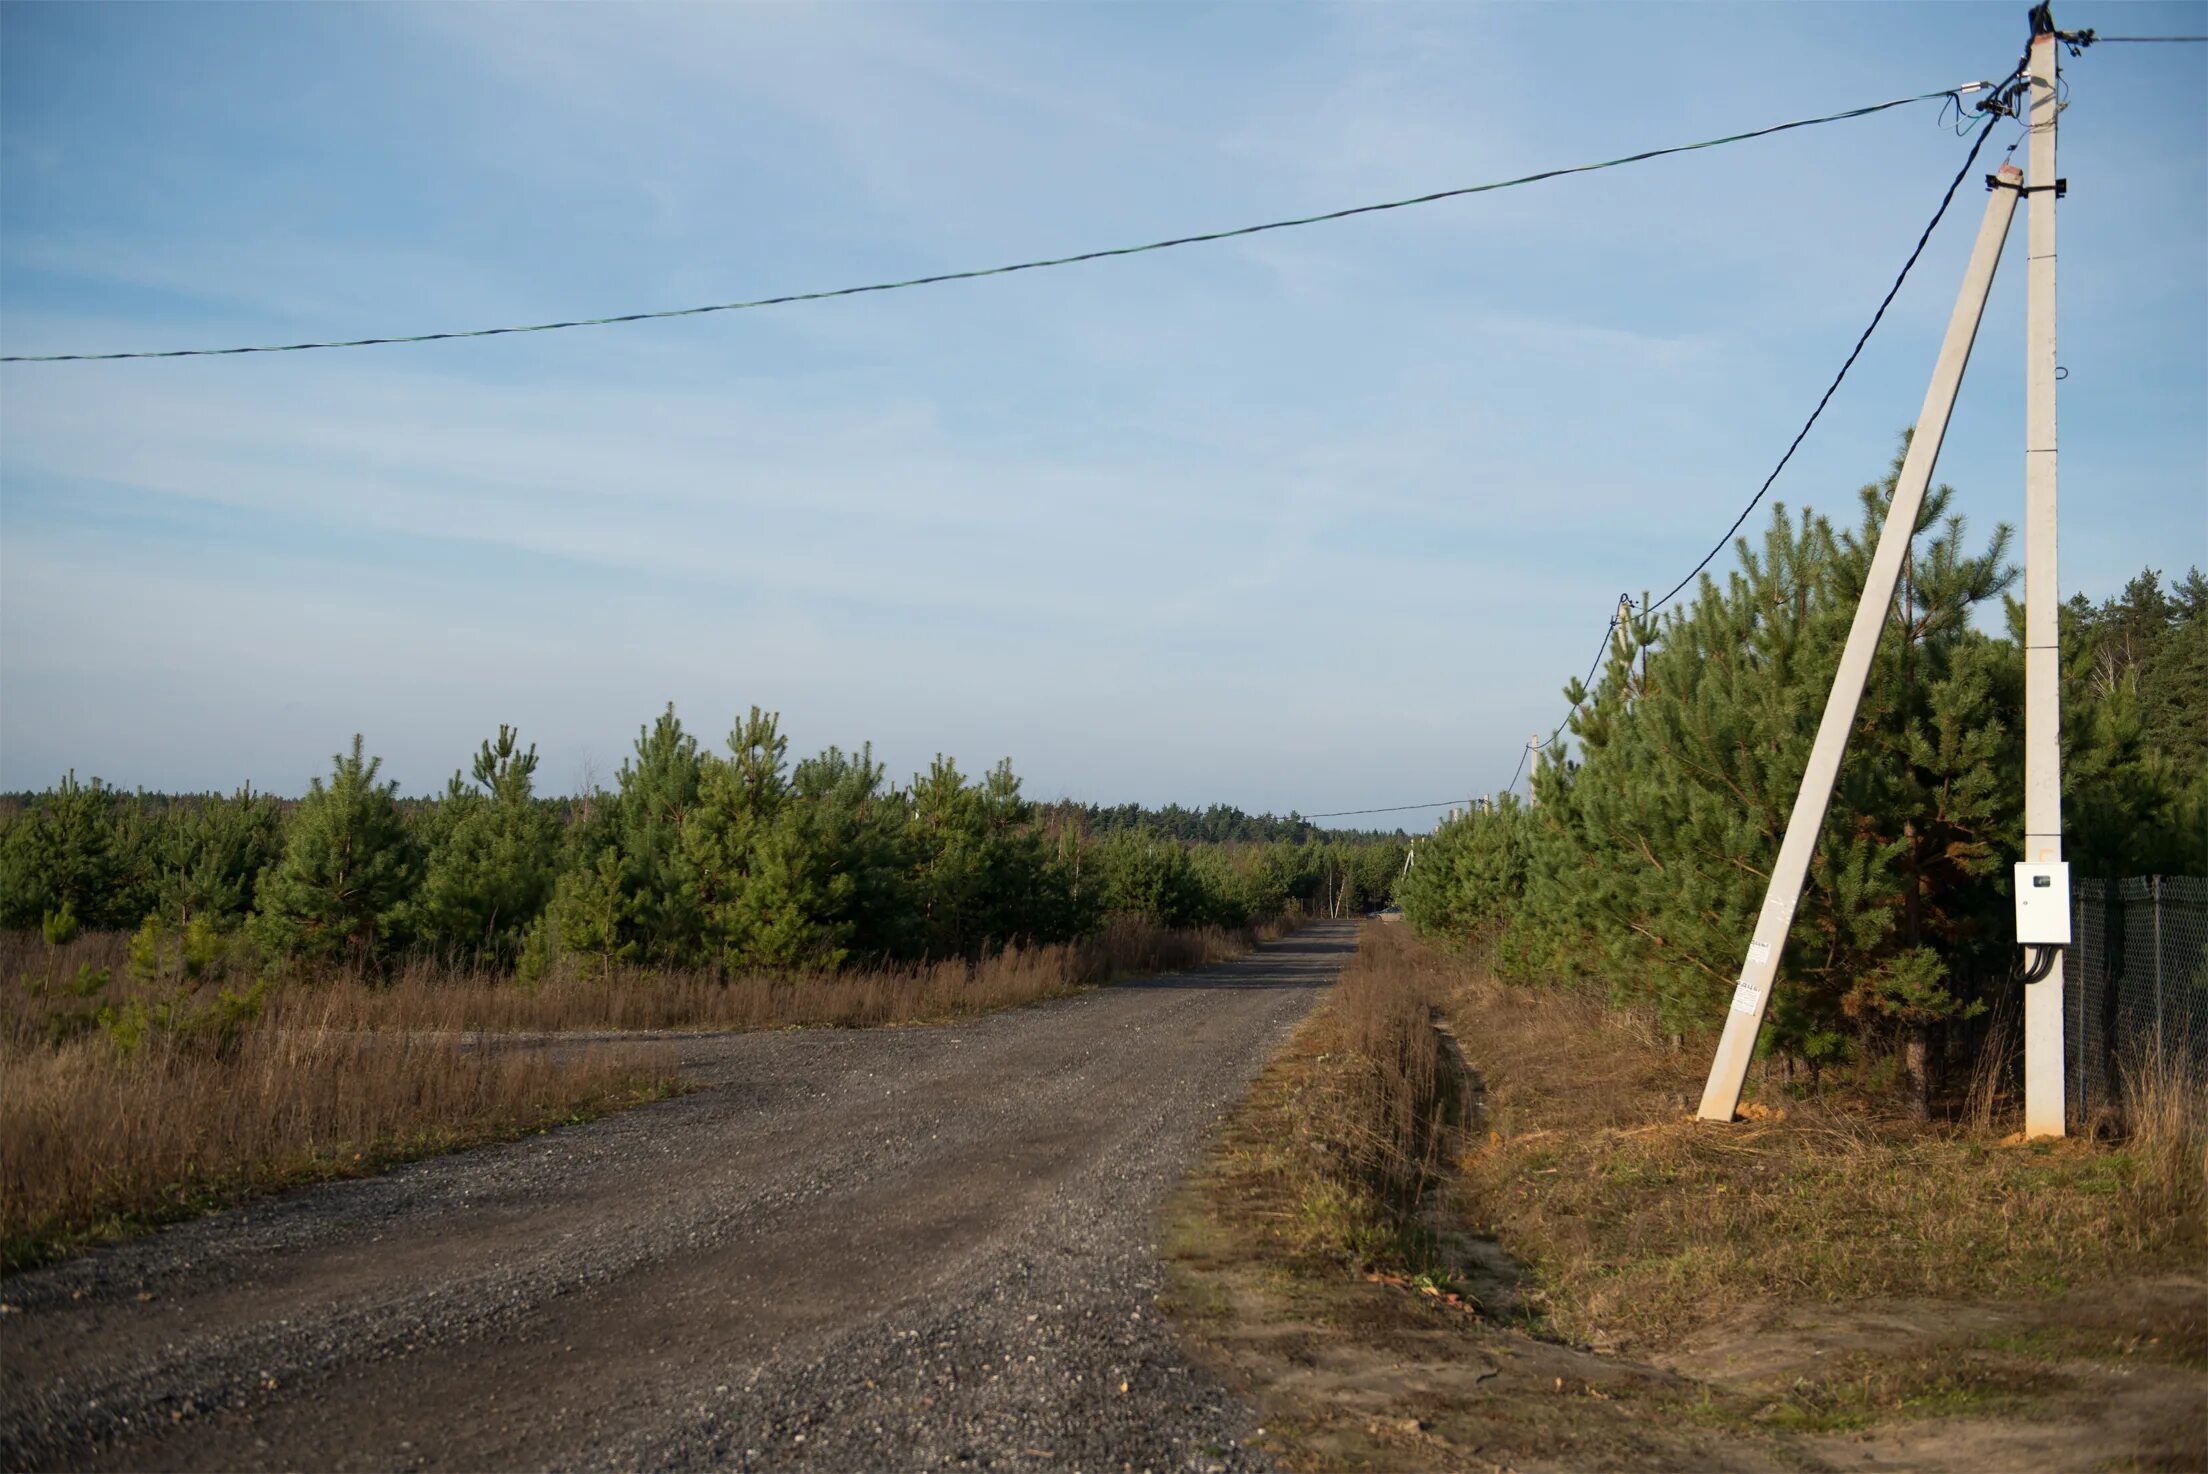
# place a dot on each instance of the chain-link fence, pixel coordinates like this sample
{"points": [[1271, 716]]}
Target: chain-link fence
{"points": [[2135, 981]]}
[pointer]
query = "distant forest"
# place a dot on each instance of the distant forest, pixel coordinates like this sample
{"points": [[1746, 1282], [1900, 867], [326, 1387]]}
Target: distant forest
{"points": [[1216, 824]]}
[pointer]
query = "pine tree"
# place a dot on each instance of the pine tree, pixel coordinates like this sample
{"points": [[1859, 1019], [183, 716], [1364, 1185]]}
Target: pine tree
{"points": [[1468, 877], [208, 858], [492, 868], [67, 850], [658, 792], [1650, 852], [1148, 875], [349, 866], [725, 844]]}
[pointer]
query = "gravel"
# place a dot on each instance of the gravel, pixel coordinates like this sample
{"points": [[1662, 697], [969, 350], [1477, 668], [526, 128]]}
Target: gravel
{"points": [[919, 1247]]}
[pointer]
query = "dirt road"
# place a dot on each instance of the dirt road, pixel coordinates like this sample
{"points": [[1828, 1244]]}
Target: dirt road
{"points": [[873, 1249]]}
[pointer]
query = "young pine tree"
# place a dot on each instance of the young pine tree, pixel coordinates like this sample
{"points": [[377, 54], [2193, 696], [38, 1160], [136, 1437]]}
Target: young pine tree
{"points": [[67, 851], [658, 791], [491, 871], [348, 869], [209, 856], [1648, 855]]}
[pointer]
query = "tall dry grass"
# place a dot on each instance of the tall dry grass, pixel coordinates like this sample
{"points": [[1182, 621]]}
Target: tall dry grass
{"points": [[96, 1142], [428, 995], [128, 1097], [1373, 1101], [1394, 1088], [2165, 1107]]}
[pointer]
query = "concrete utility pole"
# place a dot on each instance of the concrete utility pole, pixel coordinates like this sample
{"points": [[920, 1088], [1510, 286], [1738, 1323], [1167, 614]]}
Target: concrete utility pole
{"points": [[1533, 761], [2043, 1051], [1729, 1071]]}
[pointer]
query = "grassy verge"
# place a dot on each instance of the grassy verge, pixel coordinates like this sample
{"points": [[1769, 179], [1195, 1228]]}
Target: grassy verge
{"points": [[1819, 1285], [103, 1143], [1645, 1226], [135, 1090], [47, 1001]]}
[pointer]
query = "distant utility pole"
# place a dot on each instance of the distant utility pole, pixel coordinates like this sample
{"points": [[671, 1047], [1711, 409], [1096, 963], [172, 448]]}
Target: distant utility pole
{"points": [[1729, 1071], [1625, 638], [1533, 762], [2043, 1052]]}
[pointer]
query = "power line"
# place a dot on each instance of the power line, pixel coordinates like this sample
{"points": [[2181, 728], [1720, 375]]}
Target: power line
{"points": [[1586, 686], [2101, 40], [1994, 115], [951, 276], [1523, 753], [1854, 353], [1390, 809]]}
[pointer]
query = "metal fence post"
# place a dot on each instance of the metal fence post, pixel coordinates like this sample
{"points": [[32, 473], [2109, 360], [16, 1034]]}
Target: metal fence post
{"points": [[2154, 891]]}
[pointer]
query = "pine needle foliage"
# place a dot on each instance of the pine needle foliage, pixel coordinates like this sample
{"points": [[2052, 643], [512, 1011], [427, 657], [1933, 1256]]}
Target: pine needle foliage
{"points": [[1641, 868], [348, 869]]}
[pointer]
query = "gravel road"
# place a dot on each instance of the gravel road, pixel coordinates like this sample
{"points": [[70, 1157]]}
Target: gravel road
{"points": [[890, 1248]]}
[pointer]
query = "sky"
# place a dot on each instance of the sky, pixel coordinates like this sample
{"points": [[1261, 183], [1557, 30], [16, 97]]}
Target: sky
{"points": [[1322, 519]]}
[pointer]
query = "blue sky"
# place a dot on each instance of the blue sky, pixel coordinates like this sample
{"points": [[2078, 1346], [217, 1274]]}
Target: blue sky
{"points": [[1319, 519]]}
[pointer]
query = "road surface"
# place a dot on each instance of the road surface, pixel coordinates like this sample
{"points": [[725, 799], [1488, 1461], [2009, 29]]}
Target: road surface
{"points": [[887, 1248]]}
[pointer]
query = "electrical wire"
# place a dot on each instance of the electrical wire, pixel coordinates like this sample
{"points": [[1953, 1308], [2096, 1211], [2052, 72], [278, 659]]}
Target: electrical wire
{"points": [[1856, 352], [2101, 40], [1523, 753], [951, 276], [1997, 105], [1586, 688], [1390, 809]]}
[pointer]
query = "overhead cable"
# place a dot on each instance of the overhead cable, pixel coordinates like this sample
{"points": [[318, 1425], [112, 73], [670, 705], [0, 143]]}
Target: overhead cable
{"points": [[951, 276], [1854, 353], [1994, 114], [1390, 809], [1586, 687]]}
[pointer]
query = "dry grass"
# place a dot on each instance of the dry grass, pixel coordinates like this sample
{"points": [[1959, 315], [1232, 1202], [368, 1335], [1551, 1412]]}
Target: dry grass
{"points": [[432, 996], [2165, 1105], [1644, 1225], [100, 1143], [1370, 1091], [131, 1096], [1728, 1256]]}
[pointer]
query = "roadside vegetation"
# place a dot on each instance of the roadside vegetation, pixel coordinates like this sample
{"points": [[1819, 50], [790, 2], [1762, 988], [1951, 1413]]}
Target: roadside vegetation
{"points": [[1643, 1226], [1639, 875], [1528, 1250], [1468, 1219], [110, 1135], [204, 997], [148, 1078], [732, 863]]}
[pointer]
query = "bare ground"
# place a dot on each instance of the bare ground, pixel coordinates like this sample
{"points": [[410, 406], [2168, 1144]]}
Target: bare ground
{"points": [[879, 1248]]}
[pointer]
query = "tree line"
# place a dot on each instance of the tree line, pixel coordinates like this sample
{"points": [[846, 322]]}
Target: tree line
{"points": [[1212, 824], [739, 859], [1641, 866]]}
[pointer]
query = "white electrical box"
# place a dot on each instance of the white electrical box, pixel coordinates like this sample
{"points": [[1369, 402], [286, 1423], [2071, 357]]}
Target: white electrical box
{"points": [[2043, 904]]}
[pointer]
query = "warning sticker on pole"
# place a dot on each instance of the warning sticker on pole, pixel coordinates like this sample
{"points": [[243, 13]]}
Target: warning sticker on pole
{"points": [[1758, 951], [1746, 997]]}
